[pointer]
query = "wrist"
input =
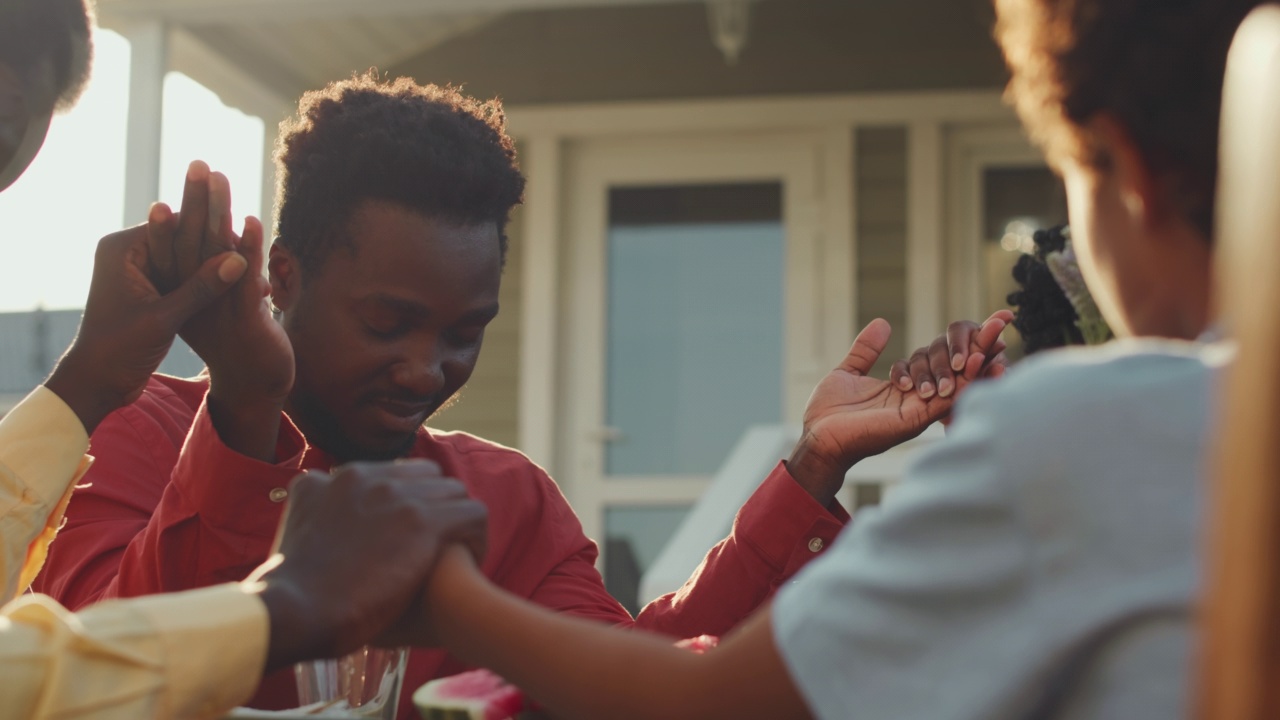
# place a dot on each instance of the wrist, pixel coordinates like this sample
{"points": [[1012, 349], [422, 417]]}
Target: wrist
{"points": [[87, 398], [814, 472], [455, 587], [297, 631], [249, 426]]}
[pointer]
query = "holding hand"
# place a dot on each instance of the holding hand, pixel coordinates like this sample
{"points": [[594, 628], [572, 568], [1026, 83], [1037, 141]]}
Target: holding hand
{"points": [[250, 359], [128, 324], [933, 369], [851, 417], [355, 552]]}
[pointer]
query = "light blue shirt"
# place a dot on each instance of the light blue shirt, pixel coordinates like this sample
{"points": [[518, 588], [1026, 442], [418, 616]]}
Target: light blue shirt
{"points": [[1040, 562]]}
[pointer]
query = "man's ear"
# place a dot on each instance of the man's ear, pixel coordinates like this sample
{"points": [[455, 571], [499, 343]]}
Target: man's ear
{"points": [[285, 274], [1141, 192]]}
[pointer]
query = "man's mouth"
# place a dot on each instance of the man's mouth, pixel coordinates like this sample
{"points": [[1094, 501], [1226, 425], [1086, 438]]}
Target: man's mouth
{"points": [[403, 416]]}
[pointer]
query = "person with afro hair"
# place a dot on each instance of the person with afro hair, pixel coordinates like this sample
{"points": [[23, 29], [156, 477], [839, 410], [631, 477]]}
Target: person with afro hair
{"points": [[1042, 560], [392, 200], [195, 653], [45, 57]]}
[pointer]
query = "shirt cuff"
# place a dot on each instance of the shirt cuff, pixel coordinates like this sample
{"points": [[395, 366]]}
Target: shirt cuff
{"points": [[785, 524], [43, 443], [233, 491], [214, 642]]}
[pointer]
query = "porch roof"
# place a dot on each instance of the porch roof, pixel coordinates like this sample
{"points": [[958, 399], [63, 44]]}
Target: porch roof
{"points": [[284, 47]]}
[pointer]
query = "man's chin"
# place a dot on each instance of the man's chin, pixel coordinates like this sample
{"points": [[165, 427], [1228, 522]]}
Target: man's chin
{"points": [[344, 450]]}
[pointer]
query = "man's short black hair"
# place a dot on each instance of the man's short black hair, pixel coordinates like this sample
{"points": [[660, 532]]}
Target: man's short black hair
{"points": [[431, 149], [36, 31]]}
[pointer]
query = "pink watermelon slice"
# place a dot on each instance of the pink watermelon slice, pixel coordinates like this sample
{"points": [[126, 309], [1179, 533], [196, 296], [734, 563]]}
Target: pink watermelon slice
{"points": [[475, 695], [700, 644], [482, 695]]}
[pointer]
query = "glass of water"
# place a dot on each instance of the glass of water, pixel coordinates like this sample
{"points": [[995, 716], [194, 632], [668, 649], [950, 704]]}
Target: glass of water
{"points": [[364, 684]]}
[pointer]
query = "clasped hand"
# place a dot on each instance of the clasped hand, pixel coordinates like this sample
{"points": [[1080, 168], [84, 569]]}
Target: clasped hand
{"points": [[131, 317], [852, 416]]}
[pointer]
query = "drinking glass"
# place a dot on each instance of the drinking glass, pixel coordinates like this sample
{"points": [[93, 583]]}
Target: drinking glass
{"points": [[364, 684]]}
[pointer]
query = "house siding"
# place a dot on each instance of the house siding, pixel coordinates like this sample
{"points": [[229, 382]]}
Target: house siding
{"points": [[881, 282], [32, 342]]}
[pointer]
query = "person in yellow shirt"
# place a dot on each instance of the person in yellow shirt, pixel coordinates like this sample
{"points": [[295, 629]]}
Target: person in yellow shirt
{"points": [[199, 653]]}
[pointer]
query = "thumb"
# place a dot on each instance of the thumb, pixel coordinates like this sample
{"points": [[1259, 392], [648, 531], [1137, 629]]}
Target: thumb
{"points": [[867, 348], [218, 275]]}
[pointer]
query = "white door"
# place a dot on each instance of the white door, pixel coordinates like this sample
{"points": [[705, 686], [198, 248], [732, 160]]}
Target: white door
{"points": [[999, 193], [695, 269]]}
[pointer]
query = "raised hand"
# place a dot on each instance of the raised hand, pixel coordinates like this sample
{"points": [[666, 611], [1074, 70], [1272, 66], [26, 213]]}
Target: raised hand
{"points": [[851, 416], [129, 324], [248, 354], [933, 369], [355, 552]]}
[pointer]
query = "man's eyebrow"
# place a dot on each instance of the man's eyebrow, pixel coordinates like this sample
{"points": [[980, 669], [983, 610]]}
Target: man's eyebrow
{"points": [[480, 316], [407, 307]]}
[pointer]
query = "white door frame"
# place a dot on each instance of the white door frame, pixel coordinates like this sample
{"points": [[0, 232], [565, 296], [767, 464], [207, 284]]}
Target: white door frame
{"points": [[592, 168], [971, 151]]}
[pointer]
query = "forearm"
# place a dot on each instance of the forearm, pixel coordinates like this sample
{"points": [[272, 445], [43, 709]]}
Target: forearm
{"points": [[85, 398], [42, 445], [819, 477], [141, 654], [581, 669], [250, 428]]}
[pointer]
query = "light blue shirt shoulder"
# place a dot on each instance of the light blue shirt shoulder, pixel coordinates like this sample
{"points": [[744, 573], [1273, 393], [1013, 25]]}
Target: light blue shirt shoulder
{"points": [[1038, 562]]}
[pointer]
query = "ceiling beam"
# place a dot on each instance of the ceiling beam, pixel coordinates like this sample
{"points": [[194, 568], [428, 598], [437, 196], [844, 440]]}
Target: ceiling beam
{"points": [[196, 12]]}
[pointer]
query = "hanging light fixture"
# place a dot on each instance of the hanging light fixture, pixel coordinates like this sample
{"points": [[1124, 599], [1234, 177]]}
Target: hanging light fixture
{"points": [[730, 26]]}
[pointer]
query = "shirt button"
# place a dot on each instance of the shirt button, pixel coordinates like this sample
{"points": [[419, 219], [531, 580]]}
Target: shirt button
{"points": [[279, 495], [815, 545]]}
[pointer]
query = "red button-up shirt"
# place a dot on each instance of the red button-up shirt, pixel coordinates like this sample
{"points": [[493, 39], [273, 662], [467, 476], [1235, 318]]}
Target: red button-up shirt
{"points": [[167, 507]]}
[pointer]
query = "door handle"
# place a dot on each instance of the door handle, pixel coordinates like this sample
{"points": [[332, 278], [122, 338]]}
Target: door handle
{"points": [[606, 435]]}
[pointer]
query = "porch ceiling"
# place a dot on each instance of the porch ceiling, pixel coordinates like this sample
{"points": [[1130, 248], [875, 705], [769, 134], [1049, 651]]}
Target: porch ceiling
{"points": [[289, 46]]}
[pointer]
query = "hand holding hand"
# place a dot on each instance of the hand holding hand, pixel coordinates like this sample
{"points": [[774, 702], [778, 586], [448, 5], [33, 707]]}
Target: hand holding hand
{"points": [[933, 369], [250, 359], [128, 324], [851, 416], [355, 552]]}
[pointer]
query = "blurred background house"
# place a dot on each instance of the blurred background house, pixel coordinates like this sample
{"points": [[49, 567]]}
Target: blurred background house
{"points": [[721, 193]]}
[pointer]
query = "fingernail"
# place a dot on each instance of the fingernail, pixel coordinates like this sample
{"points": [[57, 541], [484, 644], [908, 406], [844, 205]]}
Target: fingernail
{"points": [[946, 387], [232, 268], [905, 383], [957, 362], [197, 171], [926, 390], [157, 213]]}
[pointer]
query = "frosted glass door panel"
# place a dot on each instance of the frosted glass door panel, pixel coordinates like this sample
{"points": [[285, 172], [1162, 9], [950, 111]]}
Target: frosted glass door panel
{"points": [[695, 332]]}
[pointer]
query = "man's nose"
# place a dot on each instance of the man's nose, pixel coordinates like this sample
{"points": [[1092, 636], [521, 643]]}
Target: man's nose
{"points": [[421, 374]]}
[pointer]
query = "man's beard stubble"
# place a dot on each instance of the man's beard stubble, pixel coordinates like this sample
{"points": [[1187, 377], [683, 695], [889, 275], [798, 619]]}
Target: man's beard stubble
{"points": [[321, 428]]}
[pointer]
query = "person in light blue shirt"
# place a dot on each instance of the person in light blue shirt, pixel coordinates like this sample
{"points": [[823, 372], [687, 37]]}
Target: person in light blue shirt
{"points": [[1041, 561]]}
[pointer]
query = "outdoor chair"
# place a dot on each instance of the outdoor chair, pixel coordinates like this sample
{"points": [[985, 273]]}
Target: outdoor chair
{"points": [[1239, 671]]}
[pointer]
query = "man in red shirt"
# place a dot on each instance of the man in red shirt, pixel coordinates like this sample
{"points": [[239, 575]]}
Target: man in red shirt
{"points": [[392, 202]]}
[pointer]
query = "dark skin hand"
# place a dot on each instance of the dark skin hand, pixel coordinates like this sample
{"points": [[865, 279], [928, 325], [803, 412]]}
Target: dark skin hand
{"points": [[248, 354], [933, 369], [129, 324], [851, 416], [355, 552]]}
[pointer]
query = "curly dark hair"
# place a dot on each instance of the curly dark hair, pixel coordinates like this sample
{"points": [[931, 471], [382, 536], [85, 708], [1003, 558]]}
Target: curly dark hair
{"points": [[431, 149], [1157, 66], [1044, 316], [35, 31]]}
